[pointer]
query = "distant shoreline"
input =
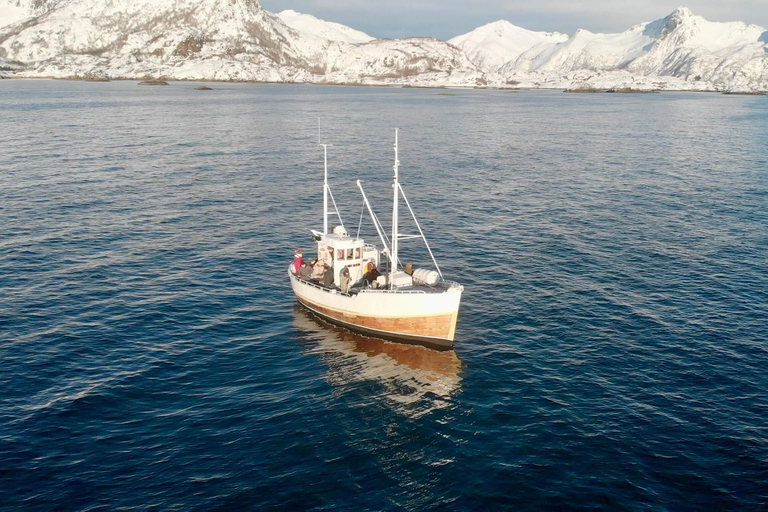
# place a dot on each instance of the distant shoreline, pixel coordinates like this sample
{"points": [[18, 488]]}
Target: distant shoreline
{"points": [[594, 90]]}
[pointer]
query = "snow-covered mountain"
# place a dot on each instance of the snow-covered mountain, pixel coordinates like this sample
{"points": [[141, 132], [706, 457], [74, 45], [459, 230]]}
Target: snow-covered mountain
{"points": [[491, 46], [216, 40], [308, 24], [681, 45], [238, 40]]}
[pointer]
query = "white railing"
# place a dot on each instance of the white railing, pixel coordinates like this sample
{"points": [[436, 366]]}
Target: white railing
{"points": [[319, 286], [379, 290], [446, 284]]}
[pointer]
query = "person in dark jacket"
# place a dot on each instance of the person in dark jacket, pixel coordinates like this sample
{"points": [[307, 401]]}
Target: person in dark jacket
{"points": [[371, 275], [305, 271], [327, 279]]}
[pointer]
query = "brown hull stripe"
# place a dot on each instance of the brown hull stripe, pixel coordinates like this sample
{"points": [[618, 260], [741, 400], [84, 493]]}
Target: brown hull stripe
{"points": [[432, 330]]}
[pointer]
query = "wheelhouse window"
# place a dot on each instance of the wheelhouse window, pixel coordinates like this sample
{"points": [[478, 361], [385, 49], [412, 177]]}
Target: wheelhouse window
{"points": [[350, 254], [359, 252], [340, 254]]}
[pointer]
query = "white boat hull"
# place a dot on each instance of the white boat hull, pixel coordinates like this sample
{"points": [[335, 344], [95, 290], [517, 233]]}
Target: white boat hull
{"points": [[413, 316]]}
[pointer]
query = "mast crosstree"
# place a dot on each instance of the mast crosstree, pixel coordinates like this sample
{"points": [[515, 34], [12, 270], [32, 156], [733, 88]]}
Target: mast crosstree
{"points": [[326, 189]]}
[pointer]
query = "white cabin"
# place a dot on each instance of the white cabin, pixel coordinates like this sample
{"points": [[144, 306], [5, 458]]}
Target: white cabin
{"points": [[344, 251]]}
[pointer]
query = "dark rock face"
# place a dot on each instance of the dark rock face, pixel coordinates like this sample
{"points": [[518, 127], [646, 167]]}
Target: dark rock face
{"points": [[189, 47]]}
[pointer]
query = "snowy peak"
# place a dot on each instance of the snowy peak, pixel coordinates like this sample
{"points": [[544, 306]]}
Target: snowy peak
{"points": [[685, 28], [682, 21], [493, 45], [695, 49], [681, 45], [681, 13], [308, 24]]}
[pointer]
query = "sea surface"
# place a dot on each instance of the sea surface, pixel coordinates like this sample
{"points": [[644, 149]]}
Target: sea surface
{"points": [[612, 345]]}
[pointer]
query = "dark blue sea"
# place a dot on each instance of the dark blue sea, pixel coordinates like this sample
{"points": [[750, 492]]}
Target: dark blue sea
{"points": [[612, 345]]}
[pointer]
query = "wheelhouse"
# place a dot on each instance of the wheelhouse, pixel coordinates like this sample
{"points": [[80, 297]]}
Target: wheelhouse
{"points": [[341, 252]]}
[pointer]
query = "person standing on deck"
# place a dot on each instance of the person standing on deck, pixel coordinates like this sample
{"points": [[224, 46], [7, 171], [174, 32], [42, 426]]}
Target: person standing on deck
{"points": [[372, 274], [297, 257], [345, 281], [327, 279], [305, 271], [317, 269]]}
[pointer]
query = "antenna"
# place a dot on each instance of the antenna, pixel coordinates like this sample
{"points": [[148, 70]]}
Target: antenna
{"points": [[326, 188]]}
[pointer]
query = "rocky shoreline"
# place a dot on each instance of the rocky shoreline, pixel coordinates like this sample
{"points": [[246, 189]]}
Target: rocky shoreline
{"points": [[504, 88]]}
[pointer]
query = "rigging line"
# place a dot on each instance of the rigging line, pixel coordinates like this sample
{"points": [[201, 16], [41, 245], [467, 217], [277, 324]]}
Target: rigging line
{"points": [[359, 224], [389, 256], [335, 207], [402, 192], [384, 235]]}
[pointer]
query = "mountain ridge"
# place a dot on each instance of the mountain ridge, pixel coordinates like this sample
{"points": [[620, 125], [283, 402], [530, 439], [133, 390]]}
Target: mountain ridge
{"points": [[494, 44], [239, 40]]}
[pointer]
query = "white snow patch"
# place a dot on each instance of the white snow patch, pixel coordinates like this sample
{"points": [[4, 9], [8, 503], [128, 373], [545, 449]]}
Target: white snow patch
{"points": [[10, 13]]}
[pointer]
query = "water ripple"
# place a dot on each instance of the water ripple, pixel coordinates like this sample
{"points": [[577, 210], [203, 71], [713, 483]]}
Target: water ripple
{"points": [[611, 342]]}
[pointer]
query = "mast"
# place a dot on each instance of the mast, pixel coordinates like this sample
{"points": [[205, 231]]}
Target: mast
{"points": [[325, 188], [395, 188]]}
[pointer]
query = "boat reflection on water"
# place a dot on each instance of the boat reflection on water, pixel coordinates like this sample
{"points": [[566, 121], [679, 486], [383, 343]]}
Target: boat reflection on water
{"points": [[412, 374]]}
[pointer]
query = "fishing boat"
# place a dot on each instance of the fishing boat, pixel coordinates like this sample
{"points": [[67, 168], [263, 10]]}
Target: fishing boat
{"points": [[400, 304]]}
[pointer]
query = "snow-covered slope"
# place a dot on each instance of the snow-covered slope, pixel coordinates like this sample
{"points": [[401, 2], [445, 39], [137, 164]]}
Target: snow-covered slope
{"points": [[308, 24], [493, 45], [10, 13], [586, 50], [13, 11], [222, 38], [238, 40], [727, 54], [682, 45], [416, 60], [218, 40]]}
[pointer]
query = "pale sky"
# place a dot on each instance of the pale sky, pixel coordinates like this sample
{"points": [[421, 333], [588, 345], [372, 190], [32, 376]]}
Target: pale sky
{"points": [[449, 18]]}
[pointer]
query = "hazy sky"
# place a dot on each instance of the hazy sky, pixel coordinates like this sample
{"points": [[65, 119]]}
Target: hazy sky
{"points": [[453, 17]]}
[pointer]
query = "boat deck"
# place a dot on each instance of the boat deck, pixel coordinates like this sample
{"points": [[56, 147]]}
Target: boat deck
{"points": [[441, 287]]}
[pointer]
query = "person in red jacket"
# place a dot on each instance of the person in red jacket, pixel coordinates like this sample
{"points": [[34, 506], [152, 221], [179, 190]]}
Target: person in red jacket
{"points": [[297, 257]]}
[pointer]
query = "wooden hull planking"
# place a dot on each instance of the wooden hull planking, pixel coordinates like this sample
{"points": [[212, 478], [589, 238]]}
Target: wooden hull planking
{"points": [[430, 319]]}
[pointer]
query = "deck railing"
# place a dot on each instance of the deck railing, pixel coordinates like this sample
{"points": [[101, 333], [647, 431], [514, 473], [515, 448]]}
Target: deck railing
{"points": [[359, 290], [443, 284]]}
